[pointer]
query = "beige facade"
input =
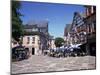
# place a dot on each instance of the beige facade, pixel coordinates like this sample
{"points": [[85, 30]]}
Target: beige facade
{"points": [[35, 38], [31, 42], [53, 44]]}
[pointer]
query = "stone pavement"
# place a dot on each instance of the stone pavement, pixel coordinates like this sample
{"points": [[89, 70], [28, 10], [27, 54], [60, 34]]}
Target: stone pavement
{"points": [[46, 64]]}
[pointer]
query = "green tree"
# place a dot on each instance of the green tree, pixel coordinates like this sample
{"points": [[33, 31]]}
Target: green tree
{"points": [[59, 41], [17, 29]]}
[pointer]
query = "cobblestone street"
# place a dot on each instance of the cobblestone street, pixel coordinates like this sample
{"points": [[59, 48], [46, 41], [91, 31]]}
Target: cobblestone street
{"points": [[46, 63]]}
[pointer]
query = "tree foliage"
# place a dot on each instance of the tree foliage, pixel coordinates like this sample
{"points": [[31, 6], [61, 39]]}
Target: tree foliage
{"points": [[59, 41], [17, 29]]}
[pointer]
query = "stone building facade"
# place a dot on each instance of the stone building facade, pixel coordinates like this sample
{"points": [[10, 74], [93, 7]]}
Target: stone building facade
{"points": [[35, 38], [31, 42]]}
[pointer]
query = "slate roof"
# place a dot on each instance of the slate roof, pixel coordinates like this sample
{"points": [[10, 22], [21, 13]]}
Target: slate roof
{"points": [[38, 23], [39, 26], [29, 26]]}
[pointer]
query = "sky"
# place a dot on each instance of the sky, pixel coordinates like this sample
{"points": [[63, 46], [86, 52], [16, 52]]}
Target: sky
{"points": [[57, 15]]}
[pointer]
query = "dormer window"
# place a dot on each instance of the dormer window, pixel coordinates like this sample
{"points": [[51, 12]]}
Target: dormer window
{"points": [[34, 29]]}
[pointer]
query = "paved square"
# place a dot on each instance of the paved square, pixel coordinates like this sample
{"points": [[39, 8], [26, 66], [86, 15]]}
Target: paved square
{"points": [[45, 63]]}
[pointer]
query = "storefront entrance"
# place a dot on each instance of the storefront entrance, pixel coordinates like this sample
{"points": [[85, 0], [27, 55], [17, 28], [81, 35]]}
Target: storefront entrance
{"points": [[93, 49]]}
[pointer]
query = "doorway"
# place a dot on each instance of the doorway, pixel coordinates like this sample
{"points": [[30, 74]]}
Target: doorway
{"points": [[93, 49], [33, 51]]}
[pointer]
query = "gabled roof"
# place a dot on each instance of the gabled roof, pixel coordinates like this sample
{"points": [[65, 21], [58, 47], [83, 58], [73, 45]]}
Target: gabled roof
{"points": [[77, 19], [67, 29]]}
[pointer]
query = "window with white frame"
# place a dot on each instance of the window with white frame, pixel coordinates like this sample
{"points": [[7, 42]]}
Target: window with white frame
{"points": [[33, 40], [28, 40]]}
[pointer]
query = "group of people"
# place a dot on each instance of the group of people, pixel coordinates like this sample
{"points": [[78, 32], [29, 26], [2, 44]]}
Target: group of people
{"points": [[66, 52], [20, 53]]}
